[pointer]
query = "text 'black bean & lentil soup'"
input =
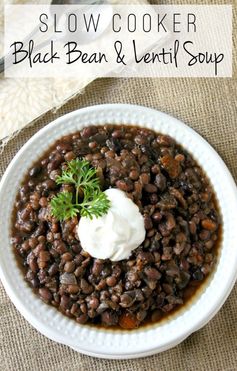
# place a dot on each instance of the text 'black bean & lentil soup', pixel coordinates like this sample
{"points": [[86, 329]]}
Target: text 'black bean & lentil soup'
{"points": [[180, 216]]}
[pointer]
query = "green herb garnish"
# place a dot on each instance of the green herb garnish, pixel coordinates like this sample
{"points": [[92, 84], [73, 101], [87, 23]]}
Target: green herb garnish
{"points": [[62, 206], [88, 199]]}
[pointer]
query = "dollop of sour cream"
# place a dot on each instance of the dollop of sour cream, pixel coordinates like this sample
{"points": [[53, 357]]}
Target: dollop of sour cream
{"points": [[114, 235]]}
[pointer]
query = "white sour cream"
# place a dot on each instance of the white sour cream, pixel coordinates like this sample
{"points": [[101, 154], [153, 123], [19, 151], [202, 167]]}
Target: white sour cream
{"points": [[114, 235]]}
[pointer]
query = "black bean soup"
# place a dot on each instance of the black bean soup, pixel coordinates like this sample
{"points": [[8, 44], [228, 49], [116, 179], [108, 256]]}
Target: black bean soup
{"points": [[180, 216]]}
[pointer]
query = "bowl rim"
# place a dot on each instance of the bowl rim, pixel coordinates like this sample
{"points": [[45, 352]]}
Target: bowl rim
{"points": [[126, 112]]}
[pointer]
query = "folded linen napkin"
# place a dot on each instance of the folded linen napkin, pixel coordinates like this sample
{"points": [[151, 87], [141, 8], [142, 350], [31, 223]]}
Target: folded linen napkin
{"points": [[24, 100]]}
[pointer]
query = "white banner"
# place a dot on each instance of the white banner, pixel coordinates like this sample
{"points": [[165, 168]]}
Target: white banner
{"points": [[118, 40]]}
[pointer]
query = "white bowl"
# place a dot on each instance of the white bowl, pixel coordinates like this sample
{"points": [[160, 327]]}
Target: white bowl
{"points": [[147, 340]]}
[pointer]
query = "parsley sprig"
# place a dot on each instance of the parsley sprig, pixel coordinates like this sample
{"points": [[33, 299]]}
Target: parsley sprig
{"points": [[88, 199]]}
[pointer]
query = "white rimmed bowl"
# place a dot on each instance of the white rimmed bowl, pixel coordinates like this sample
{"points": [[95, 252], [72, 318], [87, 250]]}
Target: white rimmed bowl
{"points": [[146, 340]]}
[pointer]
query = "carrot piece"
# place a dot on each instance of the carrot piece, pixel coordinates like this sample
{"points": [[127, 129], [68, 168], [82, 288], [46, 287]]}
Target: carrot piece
{"points": [[128, 321], [209, 224]]}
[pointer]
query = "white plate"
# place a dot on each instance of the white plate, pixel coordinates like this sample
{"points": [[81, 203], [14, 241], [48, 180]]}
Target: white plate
{"points": [[109, 343]]}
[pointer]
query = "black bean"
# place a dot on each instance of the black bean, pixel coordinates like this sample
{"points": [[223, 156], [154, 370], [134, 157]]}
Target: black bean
{"points": [[74, 309], [68, 279], [35, 282], [126, 300], [82, 319], [198, 275], [54, 174], [69, 156], [160, 182], [204, 235], [152, 273], [34, 171], [125, 186], [145, 257], [85, 286], [144, 178], [53, 269], [49, 184], [94, 303], [109, 318], [88, 131], [148, 222], [45, 294], [150, 188]]}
